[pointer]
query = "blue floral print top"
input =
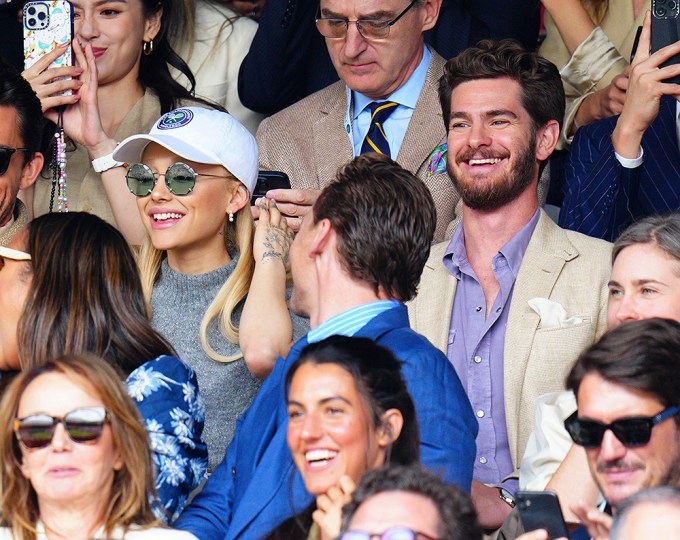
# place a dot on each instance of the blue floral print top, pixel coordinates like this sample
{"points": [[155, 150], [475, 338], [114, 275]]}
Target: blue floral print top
{"points": [[166, 392]]}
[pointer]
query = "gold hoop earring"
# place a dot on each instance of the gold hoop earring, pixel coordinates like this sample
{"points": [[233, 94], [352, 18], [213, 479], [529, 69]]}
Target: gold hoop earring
{"points": [[147, 47]]}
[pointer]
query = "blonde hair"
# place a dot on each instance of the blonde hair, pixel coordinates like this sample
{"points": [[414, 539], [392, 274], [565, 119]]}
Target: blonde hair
{"points": [[238, 236], [133, 485]]}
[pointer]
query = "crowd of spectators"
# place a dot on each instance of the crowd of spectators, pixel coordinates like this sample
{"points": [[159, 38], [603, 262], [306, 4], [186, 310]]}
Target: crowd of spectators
{"points": [[403, 341]]}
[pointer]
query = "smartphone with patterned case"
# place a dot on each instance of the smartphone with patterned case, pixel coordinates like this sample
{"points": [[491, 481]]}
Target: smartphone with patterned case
{"points": [[48, 24], [666, 30]]}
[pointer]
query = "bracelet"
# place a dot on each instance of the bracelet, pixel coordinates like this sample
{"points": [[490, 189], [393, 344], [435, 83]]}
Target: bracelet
{"points": [[104, 163]]}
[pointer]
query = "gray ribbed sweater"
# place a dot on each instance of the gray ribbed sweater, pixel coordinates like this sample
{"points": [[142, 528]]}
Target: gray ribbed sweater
{"points": [[178, 303]]}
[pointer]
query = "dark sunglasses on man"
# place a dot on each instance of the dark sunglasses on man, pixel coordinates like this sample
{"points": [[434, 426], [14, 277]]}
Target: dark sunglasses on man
{"points": [[6, 156], [633, 431]]}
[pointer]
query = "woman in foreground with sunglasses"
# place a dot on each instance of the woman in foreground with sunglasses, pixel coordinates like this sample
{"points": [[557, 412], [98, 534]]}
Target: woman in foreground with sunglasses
{"points": [[348, 412], [645, 283], [192, 176], [69, 285], [76, 460]]}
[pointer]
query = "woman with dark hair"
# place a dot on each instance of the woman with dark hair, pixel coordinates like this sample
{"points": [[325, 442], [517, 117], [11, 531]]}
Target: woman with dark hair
{"points": [[121, 85], [348, 412], [74, 288], [76, 460]]}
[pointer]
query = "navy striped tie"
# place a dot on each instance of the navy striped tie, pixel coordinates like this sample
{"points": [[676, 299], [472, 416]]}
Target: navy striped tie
{"points": [[375, 140]]}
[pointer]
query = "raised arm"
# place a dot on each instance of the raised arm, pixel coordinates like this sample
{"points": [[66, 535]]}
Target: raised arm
{"points": [[265, 330]]}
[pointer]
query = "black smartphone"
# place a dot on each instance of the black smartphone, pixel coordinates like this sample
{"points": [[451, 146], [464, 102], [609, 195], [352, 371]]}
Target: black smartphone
{"points": [[541, 510], [267, 180], [665, 30]]}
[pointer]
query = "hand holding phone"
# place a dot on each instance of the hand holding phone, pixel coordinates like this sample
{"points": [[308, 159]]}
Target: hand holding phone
{"points": [[666, 30], [541, 510]]}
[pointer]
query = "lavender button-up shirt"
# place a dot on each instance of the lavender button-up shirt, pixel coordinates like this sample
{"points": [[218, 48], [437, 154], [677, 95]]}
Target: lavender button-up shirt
{"points": [[476, 345]]}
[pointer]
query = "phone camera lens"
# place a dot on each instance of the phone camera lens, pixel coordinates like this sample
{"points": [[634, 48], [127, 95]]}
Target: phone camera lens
{"points": [[660, 11], [42, 16], [31, 10], [671, 5], [31, 23]]}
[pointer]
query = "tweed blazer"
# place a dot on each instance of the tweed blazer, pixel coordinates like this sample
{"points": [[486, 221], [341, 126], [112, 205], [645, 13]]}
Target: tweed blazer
{"points": [[560, 265], [308, 141], [20, 221]]}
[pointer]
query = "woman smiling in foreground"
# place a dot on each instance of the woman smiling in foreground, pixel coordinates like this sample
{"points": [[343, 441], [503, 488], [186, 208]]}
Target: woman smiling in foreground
{"points": [[76, 459], [348, 412]]}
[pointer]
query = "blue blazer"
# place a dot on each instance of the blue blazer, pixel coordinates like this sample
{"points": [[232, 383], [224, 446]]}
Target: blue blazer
{"points": [[602, 198], [257, 485]]}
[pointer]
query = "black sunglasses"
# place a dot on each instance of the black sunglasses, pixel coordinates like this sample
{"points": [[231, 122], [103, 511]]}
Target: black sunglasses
{"points": [[82, 425], [393, 533], [6, 156], [179, 178], [630, 431]]}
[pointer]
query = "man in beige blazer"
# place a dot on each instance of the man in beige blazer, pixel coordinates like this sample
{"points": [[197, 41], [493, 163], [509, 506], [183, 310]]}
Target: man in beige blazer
{"points": [[310, 140], [512, 299], [20, 162]]}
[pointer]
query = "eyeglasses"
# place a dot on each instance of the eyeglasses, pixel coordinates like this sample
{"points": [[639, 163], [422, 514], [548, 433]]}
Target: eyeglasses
{"points": [[6, 156], [393, 533], [630, 431], [179, 178], [82, 425], [12, 255], [336, 28]]}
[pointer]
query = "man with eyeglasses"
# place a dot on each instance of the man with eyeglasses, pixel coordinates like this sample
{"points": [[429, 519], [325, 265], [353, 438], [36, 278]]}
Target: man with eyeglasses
{"points": [[21, 124], [385, 102], [628, 420], [408, 503]]}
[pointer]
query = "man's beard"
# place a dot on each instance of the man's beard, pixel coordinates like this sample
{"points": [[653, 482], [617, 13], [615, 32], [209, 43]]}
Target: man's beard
{"points": [[493, 195]]}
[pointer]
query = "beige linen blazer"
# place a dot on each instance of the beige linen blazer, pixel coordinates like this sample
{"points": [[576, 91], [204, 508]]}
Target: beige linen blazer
{"points": [[560, 265], [308, 141]]}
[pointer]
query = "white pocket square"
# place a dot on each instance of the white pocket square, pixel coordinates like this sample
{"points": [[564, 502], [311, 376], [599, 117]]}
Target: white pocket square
{"points": [[552, 314]]}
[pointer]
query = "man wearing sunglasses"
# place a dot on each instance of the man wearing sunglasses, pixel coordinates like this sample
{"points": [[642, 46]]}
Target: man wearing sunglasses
{"points": [[626, 388], [21, 123], [385, 102], [628, 420]]}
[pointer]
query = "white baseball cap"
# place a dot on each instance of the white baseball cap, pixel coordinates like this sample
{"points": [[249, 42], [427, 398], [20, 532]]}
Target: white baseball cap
{"points": [[202, 135]]}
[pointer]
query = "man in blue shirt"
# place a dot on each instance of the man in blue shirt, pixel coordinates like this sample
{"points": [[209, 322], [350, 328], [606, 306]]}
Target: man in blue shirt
{"points": [[357, 257]]}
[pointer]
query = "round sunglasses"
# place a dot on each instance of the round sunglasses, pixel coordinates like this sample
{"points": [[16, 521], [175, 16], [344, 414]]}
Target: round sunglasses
{"points": [[83, 425], [634, 431], [180, 179]]}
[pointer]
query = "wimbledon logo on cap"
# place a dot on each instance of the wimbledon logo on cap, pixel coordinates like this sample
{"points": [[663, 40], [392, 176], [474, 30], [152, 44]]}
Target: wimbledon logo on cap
{"points": [[175, 119]]}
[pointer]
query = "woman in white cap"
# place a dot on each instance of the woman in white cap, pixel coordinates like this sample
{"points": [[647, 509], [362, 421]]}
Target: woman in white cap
{"points": [[193, 175]]}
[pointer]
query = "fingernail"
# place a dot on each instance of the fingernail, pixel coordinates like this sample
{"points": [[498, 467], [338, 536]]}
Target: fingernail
{"points": [[79, 69]]}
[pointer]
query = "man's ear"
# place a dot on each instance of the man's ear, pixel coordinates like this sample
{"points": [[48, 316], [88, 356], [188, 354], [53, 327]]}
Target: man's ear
{"points": [[323, 232], [546, 140], [31, 170], [391, 424], [430, 13]]}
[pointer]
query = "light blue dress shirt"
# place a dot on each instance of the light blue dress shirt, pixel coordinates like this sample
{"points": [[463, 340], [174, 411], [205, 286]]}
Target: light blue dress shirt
{"points": [[396, 125], [351, 321]]}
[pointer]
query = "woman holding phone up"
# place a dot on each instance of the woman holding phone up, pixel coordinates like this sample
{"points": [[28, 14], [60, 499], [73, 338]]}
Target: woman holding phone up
{"points": [[120, 86]]}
